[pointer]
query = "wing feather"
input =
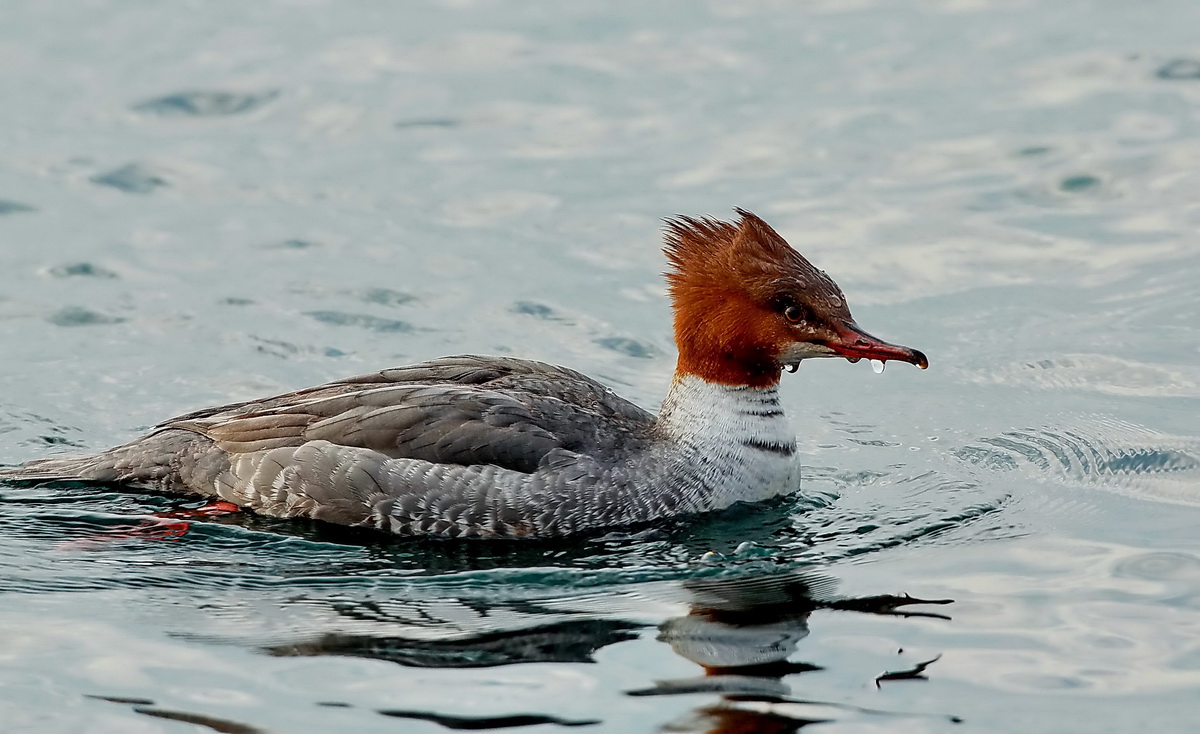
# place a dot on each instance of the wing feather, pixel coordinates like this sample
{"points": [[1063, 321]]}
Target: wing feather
{"points": [[462, 411]]}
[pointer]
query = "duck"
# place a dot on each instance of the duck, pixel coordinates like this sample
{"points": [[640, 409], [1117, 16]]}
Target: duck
{"points": [[475, 446]]}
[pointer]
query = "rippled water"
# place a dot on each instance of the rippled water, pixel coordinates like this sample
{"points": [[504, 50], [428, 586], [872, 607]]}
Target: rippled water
{"points": [[213, 203]]}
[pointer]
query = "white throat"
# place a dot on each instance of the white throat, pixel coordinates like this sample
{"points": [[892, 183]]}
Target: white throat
{"points": [[735, 440]]}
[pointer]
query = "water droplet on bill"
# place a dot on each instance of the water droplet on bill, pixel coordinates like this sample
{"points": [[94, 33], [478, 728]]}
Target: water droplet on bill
{"points": [[877, 365]]}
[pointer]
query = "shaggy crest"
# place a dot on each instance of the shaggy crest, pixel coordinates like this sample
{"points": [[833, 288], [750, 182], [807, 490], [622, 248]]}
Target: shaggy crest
{"points": [[709, 256], [728, 282]]}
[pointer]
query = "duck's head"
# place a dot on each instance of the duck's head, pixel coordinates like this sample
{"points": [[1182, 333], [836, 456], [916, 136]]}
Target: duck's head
{"points": [[747, 305]]}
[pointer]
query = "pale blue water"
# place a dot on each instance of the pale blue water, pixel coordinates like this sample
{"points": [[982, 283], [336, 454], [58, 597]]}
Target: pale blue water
{"points": [[211, 202]]}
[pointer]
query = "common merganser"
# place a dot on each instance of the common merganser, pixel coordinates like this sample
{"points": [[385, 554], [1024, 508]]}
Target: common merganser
{"points": [[476, 446]]}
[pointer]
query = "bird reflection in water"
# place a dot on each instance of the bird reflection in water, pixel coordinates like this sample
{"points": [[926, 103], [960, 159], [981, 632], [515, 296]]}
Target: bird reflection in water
{"points": [[742, 632], [741, 629]]}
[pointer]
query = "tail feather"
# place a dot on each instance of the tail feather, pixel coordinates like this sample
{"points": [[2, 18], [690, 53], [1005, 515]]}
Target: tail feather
{"points": [[171, 461], [92, 468]]}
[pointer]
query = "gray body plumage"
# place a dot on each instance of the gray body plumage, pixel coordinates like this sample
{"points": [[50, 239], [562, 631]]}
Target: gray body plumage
{"points": [[464, 446]]}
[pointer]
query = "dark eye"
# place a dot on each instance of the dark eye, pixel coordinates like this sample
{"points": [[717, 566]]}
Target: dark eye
{"points": [[795, 314]]}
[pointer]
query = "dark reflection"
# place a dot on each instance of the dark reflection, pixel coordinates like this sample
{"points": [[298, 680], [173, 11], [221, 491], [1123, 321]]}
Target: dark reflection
{"points": [[121, 699], [572, 641], [742, 628], [716, 719], [145, 707], [742, 632], [486, 723], [916, 672], [224, 726]]}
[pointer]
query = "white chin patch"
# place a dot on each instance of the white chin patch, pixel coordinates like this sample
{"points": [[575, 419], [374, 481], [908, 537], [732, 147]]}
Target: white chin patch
{"points": [[805, 350]]}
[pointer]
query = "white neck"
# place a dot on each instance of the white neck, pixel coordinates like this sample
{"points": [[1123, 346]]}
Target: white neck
{"points": [[734, 441]]}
